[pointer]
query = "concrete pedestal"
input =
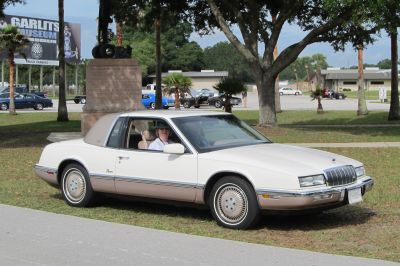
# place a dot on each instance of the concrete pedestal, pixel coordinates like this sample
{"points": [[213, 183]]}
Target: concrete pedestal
{"points": [[112, 86]]}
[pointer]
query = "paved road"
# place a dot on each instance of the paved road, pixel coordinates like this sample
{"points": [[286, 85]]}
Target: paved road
{"points": [[30, 237], [288, 102]]}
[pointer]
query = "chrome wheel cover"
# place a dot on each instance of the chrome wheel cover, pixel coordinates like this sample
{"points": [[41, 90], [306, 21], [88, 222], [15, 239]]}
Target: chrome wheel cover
{"points": [[231, 204], [74, 185]]}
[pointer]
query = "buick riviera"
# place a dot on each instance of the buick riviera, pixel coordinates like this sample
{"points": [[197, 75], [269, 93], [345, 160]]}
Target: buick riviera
{"points": [[214, 159]]}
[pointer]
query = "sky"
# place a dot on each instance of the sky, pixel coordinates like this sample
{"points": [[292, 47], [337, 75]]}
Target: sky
{"points": [[85, 12]]}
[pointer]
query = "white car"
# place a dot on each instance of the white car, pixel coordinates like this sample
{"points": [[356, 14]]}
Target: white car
{"points": [[215, 160], [289, 91]]}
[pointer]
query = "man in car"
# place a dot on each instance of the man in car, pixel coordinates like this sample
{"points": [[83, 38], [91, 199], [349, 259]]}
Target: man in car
{"points": [[162, 132]]}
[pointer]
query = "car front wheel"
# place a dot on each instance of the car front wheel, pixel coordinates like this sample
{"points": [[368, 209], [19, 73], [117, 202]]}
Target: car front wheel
{"points": [[4, 107], [153, 105], [83, 101], [186, 104], [233, 203], [218, 104], [38, 106], [76, 187]]}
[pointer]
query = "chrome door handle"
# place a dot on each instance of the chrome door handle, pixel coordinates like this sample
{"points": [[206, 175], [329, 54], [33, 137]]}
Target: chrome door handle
{"points": [[123, 157]]}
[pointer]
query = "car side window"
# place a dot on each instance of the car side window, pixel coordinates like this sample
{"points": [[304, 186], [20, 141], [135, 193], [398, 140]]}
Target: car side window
{"points": [[114, 140], [142, 132]]}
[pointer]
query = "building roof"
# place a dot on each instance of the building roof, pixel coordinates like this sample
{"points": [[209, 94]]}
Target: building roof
{"points": [[352, 74], [197, 74]]}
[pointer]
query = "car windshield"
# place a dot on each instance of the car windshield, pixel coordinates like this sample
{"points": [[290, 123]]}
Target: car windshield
{"points": [[215, 132]]}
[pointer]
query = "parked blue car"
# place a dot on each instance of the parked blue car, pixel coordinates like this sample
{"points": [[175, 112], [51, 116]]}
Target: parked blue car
{"points": [[149, 101], [25, 100]]}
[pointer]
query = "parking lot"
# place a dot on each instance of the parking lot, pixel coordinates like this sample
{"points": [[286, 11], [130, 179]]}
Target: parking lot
{"points": [[288, 102]]}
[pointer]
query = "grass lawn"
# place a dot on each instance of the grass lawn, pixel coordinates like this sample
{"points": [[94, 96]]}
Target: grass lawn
{"points": [[370, 229], [369, 95]]}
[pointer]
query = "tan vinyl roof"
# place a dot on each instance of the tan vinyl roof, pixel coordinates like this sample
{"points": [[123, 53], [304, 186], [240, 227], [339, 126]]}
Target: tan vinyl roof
{"points": [[98, 134]]}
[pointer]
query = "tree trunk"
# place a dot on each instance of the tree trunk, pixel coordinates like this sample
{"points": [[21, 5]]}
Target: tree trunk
{"points": [[157, 25], [11, 64], [266, 97], [394, 112], [177, 102], [320, 110], [278, 108], [362, 104], [227, 104], [62, 104], [119, 33]]}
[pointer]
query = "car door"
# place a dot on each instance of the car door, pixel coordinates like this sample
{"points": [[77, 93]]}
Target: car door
{"points": [[156, 174], [20, 101]]}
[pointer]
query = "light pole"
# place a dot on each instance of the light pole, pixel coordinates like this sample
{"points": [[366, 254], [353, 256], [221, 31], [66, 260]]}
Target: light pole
{"points": [[308, 77], [297, 79]]}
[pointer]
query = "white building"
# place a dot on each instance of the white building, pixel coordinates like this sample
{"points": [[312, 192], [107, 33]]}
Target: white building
{"points": [[339, 79]]}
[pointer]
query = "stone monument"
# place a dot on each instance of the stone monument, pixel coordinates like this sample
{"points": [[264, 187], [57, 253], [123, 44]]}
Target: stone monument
{"points": [[113, 79]]}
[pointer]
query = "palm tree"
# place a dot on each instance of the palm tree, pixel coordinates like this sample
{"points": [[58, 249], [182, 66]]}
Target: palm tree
{"points": [[317, 94], [229, 86], [62, 104], [178, 84], [362, 104], [13, 42]]}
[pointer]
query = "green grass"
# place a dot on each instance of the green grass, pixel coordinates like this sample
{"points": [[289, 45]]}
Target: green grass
{"points": [[369, 95], [304, 117], [289, 120], [370, 229]]}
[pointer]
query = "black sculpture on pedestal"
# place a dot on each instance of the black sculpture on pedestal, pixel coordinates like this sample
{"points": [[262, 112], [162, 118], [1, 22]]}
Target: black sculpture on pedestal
{"points": [[104, 49]]}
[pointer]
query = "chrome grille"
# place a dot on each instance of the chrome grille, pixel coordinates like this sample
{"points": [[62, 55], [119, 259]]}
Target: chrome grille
{"points": [[341, 175]]}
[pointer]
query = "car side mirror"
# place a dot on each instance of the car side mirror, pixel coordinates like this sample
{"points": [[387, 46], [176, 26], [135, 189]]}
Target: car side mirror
{"points": [[175, 148]]}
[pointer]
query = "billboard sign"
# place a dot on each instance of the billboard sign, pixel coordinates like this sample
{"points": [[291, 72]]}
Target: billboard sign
{"points": [[43, 36]]}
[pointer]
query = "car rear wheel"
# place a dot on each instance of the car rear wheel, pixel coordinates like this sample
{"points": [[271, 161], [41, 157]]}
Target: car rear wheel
{"points": [[186, 104], [38, 106], [76, 187], [83, 101], [218, 104], [153, 105], [233, 203], [296, 94], [4, 107]]}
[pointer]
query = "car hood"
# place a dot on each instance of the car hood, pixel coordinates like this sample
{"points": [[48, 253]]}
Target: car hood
{"points": [[282, 158]]}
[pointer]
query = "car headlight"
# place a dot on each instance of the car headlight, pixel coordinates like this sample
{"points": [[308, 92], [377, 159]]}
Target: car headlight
{"points": [[314, 180], [360, 171]]}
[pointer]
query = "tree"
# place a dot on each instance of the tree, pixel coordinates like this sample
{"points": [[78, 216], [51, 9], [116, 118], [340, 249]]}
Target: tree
{"points": [[4, 3], [317, 95], [178, 84], [315, 61], [323, 21], [155, 13], [384, 64], [62, 114], [387, 15], [224, 56], [13, 42], [229, 86], [362, 103]]}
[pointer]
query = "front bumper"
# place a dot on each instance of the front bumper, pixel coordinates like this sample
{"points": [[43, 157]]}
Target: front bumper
{"points": [[310, 198], [47, 174]]}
